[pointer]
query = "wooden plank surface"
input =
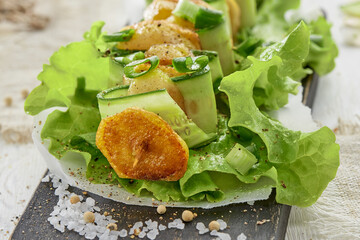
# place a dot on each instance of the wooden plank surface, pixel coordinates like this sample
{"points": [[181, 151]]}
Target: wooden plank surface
{"points": [[241, 218]]}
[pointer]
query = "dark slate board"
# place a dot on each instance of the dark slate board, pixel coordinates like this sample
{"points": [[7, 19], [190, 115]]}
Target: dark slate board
{"points": [[241, 218]]}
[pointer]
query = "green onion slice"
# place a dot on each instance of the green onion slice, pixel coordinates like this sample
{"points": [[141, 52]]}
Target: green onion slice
{"points": [[208, 18], [129, 69], [187, 10], [130, 58], [122, 36], [200, 16], [190, 64]]}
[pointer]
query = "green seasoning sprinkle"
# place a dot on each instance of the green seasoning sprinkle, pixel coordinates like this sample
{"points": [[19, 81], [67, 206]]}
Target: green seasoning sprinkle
{"points": [[190, 64], [130, 58], [129, 69], [241, 159], [122, 36]]}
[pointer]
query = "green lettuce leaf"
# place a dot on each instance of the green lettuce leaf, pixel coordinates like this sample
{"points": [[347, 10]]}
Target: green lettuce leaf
{"points": [[302, 181], [273, 87], [286, 149], [59, 79], [323, 49]]}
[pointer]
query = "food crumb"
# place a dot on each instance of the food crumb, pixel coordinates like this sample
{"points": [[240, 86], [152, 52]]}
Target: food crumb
{"points": [[262, 221], [106, 214], [85, 193], [24, 93], [8, 101], [137, 232], [89, 217], [161, 209], [187, 216], [112, 227], [214, 225]]}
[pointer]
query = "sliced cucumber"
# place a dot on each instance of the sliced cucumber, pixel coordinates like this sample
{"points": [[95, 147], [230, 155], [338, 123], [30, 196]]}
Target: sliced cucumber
{"points": [[199, 97], [222, 6], [241, 159], [219, 39], [215, 67], [113, 101]]}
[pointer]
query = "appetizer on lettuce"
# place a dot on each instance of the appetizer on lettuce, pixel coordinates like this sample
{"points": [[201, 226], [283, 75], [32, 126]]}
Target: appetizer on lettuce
{"points": [[175, 106]]}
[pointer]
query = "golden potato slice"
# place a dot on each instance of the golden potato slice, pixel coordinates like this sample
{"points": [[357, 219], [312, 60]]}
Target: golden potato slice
{"points": [[152, 32], [155, 80], [159, 9], [141, 145], [166, 52]]}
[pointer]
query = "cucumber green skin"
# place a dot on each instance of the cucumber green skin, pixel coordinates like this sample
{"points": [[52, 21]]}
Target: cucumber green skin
{"points": [[199, 99], [116, 73], [241, 159], [158, 102], [248, 12], [221, 5], [215, 67], [219, 39]]}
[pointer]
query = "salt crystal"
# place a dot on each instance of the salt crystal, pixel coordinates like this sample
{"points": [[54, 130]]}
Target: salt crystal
{"points": [[90, 202], [241, 237], [46, 179], [177, 223], [97, 209], [201, 227], [142, 234], [222, 236], [123, 233], [222, 223], [162, 227], [90, 235], [152, 234]]}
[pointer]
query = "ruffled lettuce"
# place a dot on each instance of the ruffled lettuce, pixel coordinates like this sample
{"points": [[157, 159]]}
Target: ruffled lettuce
{"points": [[311, 44], [305, 163], [73, 78]]}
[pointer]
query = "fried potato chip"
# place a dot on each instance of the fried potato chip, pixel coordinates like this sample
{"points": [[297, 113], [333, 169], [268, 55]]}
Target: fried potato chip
{"points": [[141, 145]]}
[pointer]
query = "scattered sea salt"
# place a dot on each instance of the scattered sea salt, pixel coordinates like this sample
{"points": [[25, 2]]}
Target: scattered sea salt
{"points": [[46, 179], [123, 233], [251, 203], [241, 237], [222, 223], [177, 223], [162, 227], [220, 235], [202, 228]]}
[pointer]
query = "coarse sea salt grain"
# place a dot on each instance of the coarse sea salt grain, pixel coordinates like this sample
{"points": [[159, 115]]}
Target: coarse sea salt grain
{"points": [[222, 223], [177, 223], [202, 228], [241, 237], [220, 235], [162, 227], [123, 233]]}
